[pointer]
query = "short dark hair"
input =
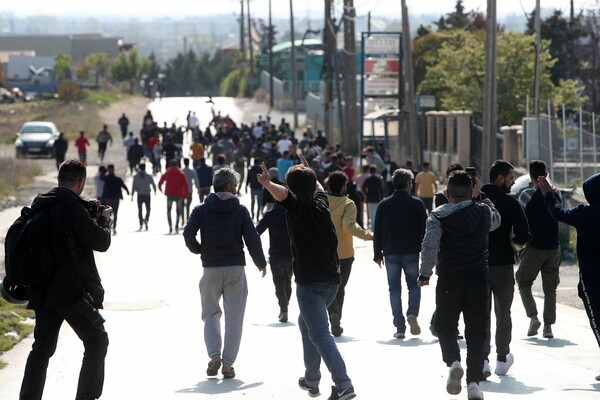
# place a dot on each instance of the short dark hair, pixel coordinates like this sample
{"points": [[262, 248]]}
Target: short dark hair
{"points": [[452, 168], [70, 171], [372, 168], [537, 168], [459, 184], [336, 181], [301, 180], [401, 178], [186, 161], [142, 166], [500, 167]]}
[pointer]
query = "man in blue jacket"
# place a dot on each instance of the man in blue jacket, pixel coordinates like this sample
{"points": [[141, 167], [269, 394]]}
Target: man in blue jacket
{"points": [[223, 222]]}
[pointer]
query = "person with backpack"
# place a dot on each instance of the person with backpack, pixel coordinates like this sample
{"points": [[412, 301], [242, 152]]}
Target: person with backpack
{"points": [[73, 292]]}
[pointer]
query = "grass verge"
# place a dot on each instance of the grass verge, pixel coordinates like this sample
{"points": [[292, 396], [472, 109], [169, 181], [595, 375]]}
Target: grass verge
{"points": [[11, 318], [16, 174]]}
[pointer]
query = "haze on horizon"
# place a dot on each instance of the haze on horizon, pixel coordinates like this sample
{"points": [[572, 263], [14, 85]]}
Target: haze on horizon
{"points": [[178, 9]]}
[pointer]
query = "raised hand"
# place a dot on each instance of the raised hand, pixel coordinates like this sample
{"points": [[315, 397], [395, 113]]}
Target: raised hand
{"points": [[263, 178], [303, 159], [544, 185]]}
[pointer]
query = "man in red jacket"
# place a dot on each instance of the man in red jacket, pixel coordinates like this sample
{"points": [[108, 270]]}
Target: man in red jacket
{"points": [[176, 190]]}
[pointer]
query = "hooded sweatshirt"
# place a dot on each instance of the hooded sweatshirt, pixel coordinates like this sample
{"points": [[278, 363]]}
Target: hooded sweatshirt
{"points": [[343, 215], [456, 237], [586, 219], [223, 222], [514, 226]]}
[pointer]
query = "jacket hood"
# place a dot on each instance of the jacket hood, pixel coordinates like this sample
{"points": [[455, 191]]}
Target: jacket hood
{"points": [[55, 195], [591, 189], [465, 215], [336, 203], [493, 191], [220, 204]]}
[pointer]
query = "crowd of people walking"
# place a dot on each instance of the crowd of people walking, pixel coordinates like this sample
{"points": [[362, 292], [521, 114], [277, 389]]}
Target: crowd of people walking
{"points": [[307, 193]]}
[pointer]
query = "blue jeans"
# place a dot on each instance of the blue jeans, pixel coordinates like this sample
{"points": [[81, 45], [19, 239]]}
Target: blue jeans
{"points": [[394, 264], [317, 342]]}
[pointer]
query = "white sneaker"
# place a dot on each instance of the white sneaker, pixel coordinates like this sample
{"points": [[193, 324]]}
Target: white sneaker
{"points": [[503, 367], [487, 372], [473, 392], [455, 374]]}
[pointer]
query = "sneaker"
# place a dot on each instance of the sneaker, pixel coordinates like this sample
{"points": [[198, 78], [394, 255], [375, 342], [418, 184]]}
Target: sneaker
{"points": [[487, 372], [345, 394], [503, 367], [337, 330], [400, 333], [312, 392], [455, 374], [415, 329], [283, 316], [547, 332], [534, 325], [473, 391]]}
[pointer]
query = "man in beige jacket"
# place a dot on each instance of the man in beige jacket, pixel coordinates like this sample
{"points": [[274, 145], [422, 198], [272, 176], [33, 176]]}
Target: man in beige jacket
{"points": [[343, 215]]}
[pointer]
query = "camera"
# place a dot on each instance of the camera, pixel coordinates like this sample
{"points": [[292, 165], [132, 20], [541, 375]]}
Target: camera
{"points": [[94, 209], [85, 308]]}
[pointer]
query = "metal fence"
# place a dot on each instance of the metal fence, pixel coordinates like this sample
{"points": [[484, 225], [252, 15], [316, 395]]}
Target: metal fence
{"points": [[566, 140]]}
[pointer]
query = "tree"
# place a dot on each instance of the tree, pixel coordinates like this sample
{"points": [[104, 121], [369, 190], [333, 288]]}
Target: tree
{"points": [[99, 63], [564, 37], [128, 67], [62, 67], [458, 77]]}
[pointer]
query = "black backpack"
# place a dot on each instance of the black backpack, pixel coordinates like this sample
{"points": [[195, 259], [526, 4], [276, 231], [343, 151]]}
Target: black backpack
{"points": [[29, 256]]}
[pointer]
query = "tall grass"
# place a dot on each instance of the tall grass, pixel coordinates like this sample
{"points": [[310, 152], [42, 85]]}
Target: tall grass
{"points": [[16, 174]]}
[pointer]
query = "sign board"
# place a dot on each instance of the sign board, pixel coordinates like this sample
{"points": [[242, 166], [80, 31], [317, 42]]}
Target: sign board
{"points": [[382, 44], [376, 104], [382, 66], [381, 86], [426, 101]]}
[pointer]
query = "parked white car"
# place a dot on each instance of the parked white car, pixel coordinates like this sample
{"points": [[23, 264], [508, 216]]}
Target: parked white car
{"points": [[36, 137]]}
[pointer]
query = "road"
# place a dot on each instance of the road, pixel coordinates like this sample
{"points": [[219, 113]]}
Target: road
{"points": [[156, 350]]}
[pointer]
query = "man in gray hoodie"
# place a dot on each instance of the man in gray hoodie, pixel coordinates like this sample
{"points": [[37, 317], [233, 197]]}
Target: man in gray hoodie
{"points": [[456, 243], [143, 184]]}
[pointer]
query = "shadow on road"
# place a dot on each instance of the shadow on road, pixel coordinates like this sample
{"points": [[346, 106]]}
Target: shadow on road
{"points": [[550, 342], [220, 386], [509, 385]]}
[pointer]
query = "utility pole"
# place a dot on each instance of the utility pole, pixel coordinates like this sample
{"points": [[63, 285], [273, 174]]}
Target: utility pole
{"points": [[488, 151], [250, 46], [409, 91], [294, 69], [242, 50], [329, 51], [271, 91], [537, 27], [350, 133]]}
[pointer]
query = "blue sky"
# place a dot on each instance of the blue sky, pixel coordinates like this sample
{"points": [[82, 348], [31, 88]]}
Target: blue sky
{"points": [[182, 8]]}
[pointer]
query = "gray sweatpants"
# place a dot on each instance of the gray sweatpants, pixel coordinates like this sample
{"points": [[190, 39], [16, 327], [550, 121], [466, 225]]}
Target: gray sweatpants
{"points": [[230, 283]]}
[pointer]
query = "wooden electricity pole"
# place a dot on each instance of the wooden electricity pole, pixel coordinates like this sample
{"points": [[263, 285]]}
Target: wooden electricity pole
{"points": [[329, 52], [250, 46], [409, 89], [271, 91], [488, 151], [242, 50], [351, 129], [294, 69]]}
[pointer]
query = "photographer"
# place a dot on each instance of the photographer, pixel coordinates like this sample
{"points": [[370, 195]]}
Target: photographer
{"points": [[74, 292]]}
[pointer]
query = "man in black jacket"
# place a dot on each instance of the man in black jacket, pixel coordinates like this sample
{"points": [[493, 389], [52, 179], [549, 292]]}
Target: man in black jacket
{"points": [[540, 255], [317, 272], [501, 278], [74, 293], [223, 222], [112, 193], [399, 229]]}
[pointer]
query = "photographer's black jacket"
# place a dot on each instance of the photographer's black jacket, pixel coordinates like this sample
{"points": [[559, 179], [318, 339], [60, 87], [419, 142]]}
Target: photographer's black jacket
{"points": [[67, 212]]}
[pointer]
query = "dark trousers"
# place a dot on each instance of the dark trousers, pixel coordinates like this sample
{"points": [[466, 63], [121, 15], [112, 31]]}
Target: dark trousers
{"points": [[281, 269], [465, 292], [589, 292], [337, 304], [501, 290], [114, 203], [143, 200], [47, 327]]}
